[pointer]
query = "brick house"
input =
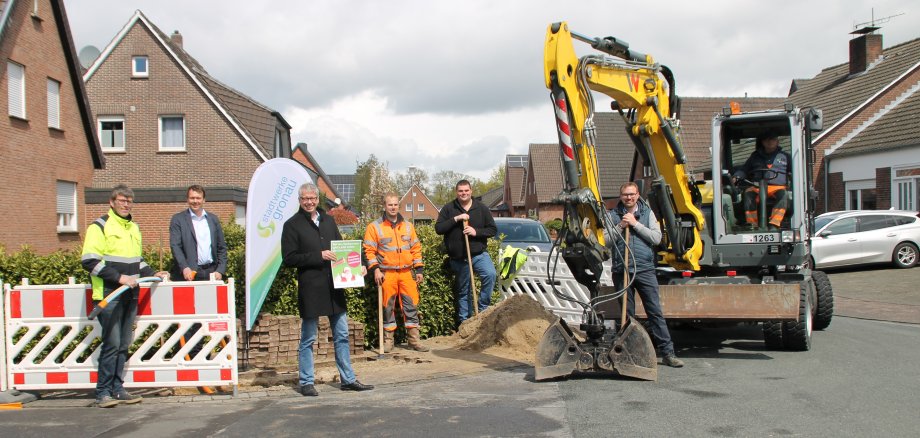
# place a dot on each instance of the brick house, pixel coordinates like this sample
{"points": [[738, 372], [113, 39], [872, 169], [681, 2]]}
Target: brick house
{"points": [[493, 199], [512, 204], [49, 142], [165, 123], [543, 182], [323, 182], [416, 206], [868, 152]]}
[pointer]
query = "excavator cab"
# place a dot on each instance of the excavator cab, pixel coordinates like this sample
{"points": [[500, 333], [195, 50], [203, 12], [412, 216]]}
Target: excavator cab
{"points": [[747, 170]]}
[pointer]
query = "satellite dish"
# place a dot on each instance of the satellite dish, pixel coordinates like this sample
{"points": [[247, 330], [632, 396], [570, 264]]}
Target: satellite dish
{"points": [[88, 55]]}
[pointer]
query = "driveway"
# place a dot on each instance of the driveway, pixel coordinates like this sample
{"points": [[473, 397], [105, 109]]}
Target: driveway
{"points": [[879, 293]]}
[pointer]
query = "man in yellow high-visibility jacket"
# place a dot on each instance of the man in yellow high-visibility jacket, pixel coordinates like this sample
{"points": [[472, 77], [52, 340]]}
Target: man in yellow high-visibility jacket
{"points": [[112, 255], [394, 255]]}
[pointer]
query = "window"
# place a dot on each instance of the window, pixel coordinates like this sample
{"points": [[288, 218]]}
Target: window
{"points": [[869, 223], [420, 207], [409, 207], [843, 226], [16, 82], [112, 133], [172, 133], [54, 104], [66, 206], [139, 67]]}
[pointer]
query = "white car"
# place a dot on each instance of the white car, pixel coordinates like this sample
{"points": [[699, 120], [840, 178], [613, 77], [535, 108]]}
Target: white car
{"points": [[861, 237]]}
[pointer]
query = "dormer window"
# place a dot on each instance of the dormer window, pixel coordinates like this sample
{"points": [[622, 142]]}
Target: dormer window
{"points": [[139, 67]]}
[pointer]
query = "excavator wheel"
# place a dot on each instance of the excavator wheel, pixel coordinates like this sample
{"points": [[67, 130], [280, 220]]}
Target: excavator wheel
{"points": [[797, 334], [824, 305], [773, 335]]}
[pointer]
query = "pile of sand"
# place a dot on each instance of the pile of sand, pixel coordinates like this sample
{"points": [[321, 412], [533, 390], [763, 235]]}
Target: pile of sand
{"points": [[511, 328]]}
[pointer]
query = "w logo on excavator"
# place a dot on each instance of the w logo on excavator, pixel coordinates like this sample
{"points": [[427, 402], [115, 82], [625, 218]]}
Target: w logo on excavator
{"points": [[633, 82]]}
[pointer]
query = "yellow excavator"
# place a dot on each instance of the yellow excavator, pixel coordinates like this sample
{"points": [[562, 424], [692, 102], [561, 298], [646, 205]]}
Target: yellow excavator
{"points": [[713, 265]]}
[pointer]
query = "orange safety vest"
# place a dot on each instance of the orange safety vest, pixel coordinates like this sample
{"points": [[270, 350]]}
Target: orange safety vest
{"points": [[392, 246]]}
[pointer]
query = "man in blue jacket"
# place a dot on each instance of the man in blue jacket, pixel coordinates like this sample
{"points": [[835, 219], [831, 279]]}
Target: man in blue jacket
{"points": [[196, 239], [644, 233], [770, 162]]}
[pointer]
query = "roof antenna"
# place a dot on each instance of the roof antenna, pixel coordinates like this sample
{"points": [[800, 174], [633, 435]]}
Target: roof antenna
{"points": [[872, 25]]}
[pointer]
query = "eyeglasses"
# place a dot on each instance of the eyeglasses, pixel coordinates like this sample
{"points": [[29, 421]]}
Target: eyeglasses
{"points": [[124, 201], [628, 195], [309, 198]]}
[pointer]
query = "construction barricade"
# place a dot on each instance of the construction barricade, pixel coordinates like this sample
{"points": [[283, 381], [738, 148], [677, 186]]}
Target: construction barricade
{"points": [[49, 342], [531, 280]]}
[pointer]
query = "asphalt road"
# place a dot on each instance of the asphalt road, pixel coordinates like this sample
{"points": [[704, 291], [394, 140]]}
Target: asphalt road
{"points": [[860, 379]]}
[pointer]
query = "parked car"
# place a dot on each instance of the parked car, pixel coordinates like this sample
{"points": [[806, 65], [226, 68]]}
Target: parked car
{"points": [[523, 233], [861, 237]]}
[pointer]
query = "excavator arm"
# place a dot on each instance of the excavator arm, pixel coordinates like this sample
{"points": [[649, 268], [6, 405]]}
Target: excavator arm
{"points": [[642, 91]]}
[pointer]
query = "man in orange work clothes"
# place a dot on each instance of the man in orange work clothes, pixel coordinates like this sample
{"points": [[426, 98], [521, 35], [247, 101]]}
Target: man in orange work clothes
{"points": [[394, 255]]}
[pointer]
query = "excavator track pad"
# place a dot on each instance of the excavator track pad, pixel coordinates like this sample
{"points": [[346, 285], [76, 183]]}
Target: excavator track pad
{"points": [[628, 352]]}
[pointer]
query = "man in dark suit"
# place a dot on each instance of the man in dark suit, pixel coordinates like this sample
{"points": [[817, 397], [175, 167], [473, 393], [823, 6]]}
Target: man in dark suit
{"points": [[197, 241], [198, 248]]}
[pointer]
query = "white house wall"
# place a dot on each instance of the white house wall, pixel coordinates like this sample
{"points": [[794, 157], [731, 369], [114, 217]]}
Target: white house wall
{"points": [[861, 167]]}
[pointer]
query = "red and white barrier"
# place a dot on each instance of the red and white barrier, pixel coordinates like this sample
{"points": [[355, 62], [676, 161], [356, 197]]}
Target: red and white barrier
{"points": [[50, 344]]}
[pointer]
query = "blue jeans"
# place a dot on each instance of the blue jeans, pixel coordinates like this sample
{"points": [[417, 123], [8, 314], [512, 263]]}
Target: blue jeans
{"points": [[485, 269], [646, 284], [308, 328], [117, 321]]}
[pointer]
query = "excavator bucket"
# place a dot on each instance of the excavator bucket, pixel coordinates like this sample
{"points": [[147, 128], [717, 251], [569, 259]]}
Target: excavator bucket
{"points": [[629, 353], [558, 352], [633, 354]]}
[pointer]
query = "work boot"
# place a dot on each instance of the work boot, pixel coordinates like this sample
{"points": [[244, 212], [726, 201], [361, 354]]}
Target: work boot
{"points": [[671, 360], [127, 398], [388, 343], [414, 342]]}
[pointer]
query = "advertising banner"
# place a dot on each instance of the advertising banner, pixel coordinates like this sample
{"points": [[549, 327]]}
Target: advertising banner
{"points": [[272, 200]]}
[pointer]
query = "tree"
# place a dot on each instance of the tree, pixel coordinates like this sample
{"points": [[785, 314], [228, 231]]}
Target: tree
{"points": [[496, 179], [444, 186], [413, 175], [372, 181]]}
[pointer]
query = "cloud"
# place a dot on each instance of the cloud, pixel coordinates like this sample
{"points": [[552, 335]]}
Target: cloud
{"points": [[456, 85], [350, 130]]}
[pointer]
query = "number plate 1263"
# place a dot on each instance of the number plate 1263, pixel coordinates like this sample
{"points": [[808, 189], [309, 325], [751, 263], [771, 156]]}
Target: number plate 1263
{"points": [[760, 238]]}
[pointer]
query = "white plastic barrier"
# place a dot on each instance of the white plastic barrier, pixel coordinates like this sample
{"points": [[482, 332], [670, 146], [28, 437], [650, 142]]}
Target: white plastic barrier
{"points": [[531, 280], [50, 344]]}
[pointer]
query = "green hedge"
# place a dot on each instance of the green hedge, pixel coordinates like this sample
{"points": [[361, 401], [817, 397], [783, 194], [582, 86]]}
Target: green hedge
{"points": [[437, 308]]}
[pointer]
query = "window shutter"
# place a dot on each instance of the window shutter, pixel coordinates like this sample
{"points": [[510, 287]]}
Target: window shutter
{"points": [[54, 103], [66, 197], [16, 81]]}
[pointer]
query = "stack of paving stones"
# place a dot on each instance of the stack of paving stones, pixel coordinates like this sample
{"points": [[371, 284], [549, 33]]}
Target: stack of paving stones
{"points": [[274, 340]]}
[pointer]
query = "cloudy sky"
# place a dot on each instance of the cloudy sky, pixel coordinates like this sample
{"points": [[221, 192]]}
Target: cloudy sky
{"points": [[457, 85]]}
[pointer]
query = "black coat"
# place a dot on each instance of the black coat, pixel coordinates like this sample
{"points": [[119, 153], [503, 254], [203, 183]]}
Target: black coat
{"points": [[480, 219], [301, 246]]}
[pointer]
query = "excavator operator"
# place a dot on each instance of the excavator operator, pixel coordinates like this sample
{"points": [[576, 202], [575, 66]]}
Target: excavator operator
{"points": [[768, 162]]}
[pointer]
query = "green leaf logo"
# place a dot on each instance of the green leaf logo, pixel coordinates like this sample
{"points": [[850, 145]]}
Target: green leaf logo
{"points": [[266, 230]]}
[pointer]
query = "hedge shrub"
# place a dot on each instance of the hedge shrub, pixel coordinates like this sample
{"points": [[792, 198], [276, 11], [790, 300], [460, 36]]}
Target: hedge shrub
{"points": [[437, 308]]}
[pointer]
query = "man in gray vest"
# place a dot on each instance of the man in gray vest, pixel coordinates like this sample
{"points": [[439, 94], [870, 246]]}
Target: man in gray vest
{"points": [[644, 233]]}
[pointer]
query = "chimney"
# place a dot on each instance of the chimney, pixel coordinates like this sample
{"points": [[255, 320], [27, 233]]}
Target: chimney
{"points": [[864, 50], [176, 39]]}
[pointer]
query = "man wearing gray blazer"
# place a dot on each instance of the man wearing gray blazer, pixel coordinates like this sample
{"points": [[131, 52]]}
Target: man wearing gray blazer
{"points": [[197, 241]]}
